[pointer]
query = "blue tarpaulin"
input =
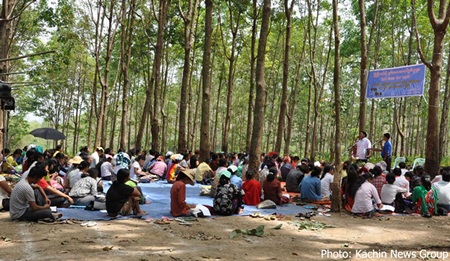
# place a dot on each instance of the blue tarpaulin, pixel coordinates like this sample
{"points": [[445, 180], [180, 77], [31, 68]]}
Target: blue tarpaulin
{"points": [[158, 194]]}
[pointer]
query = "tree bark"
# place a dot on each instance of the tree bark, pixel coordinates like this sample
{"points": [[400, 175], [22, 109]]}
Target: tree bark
{"points": [[439, 26], [443, 129], [363, 66], [205, 145], [251, 98], [189, 29], [287, 47], [336, 203], [258, 124]]}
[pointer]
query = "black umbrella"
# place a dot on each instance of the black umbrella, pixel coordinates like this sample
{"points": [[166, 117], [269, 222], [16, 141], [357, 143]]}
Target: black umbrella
{"points": [[48, 134]]}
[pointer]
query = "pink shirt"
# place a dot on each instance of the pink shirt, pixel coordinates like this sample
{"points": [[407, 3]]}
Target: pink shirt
{"points": [[363, 198], [158, 168]]}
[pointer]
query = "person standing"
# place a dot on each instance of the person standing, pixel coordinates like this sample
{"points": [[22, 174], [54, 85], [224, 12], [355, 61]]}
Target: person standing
{"points": [[363, 146], [386, 151]]}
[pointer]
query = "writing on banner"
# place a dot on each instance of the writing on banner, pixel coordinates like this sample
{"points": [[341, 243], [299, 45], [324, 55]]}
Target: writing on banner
{"points": [[396, 82]]}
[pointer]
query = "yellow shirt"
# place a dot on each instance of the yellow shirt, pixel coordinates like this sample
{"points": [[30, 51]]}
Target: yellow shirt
{"points": [[9, 164]]}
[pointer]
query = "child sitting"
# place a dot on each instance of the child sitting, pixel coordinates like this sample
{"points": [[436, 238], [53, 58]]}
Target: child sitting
{"points": [[252, 189]]}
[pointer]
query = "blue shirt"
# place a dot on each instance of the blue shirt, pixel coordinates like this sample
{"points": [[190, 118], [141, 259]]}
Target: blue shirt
{"points": [[237, 181], [387, 149], [310, 188]]}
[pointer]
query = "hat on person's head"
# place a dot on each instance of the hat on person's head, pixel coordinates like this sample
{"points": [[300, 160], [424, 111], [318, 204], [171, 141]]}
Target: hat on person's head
{"points": [[107, 156], [225, 173], [179, 157], [173, 156], [317, 164], [169, 153], [76, 160], [232, 168], [100, 148], [306, 160], [190, 173], [160, 158]]}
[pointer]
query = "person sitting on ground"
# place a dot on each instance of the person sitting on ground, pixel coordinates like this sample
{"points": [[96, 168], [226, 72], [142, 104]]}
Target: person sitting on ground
{"points": [[272, 188], [9, 166], [443, 190], [401, 181], [178, 205], [391, 194], [347, 185], [235, 180], [402, 166], [136, 168], [172, 171], [378, 179], [252, 190], [364, 193], [326, 180], [5, 193], [228, 198], [415, 180], [204, 174], [310, 187], [98, 153], [294, 177], [420, 197], [106, 169], [286, 167], [28, 201], [122, 199], [75, 175], [85, 190], [158, 167], [223, 165], [57, 197]]}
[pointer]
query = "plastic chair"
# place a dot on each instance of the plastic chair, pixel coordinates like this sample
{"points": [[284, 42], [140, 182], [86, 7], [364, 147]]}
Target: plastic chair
{"points": [[418, 162], [397, 161]]}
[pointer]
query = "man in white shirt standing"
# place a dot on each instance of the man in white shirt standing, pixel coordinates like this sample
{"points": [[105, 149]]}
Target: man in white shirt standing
{"points": [[362, 147]]}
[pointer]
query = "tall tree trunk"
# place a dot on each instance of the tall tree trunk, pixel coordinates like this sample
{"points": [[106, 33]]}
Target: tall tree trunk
{"points": [[363, 66], [189, 29], [439, 26], [287, 47], [251, 98], [336, 203], [127, 26], [205, 146], [258, 114], [155, 82], [443, 129]]}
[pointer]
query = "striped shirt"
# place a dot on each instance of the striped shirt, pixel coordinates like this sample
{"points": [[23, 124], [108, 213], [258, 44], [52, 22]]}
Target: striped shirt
{"points": [[21, 195]]}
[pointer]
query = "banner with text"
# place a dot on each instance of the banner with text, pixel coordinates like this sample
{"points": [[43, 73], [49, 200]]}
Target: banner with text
{"points": [[396, 82]]}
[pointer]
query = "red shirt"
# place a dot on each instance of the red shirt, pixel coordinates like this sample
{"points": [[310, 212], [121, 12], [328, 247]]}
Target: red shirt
{"points": [[272, 190], [252, 189], [178, 206], [42, 183]]}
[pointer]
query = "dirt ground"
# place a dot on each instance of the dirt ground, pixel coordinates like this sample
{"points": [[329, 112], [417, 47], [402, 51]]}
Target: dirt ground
{"points": [[387, 238]]}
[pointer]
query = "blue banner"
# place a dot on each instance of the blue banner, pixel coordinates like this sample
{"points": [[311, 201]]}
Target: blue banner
{"points": [[396, 82]]}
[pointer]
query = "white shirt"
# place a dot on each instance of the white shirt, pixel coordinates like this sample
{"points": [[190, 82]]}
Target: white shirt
{"points": [[325, 184], [388, 192], [95, 159], [133, 166], [403, 183], [3, 194], [363, 198], [361, 148], [404, 171], [443, 192], [106, 169]]}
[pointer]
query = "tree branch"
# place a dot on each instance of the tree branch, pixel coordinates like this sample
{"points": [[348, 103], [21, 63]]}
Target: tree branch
{"points": [[430, 9], [419, 48]]}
